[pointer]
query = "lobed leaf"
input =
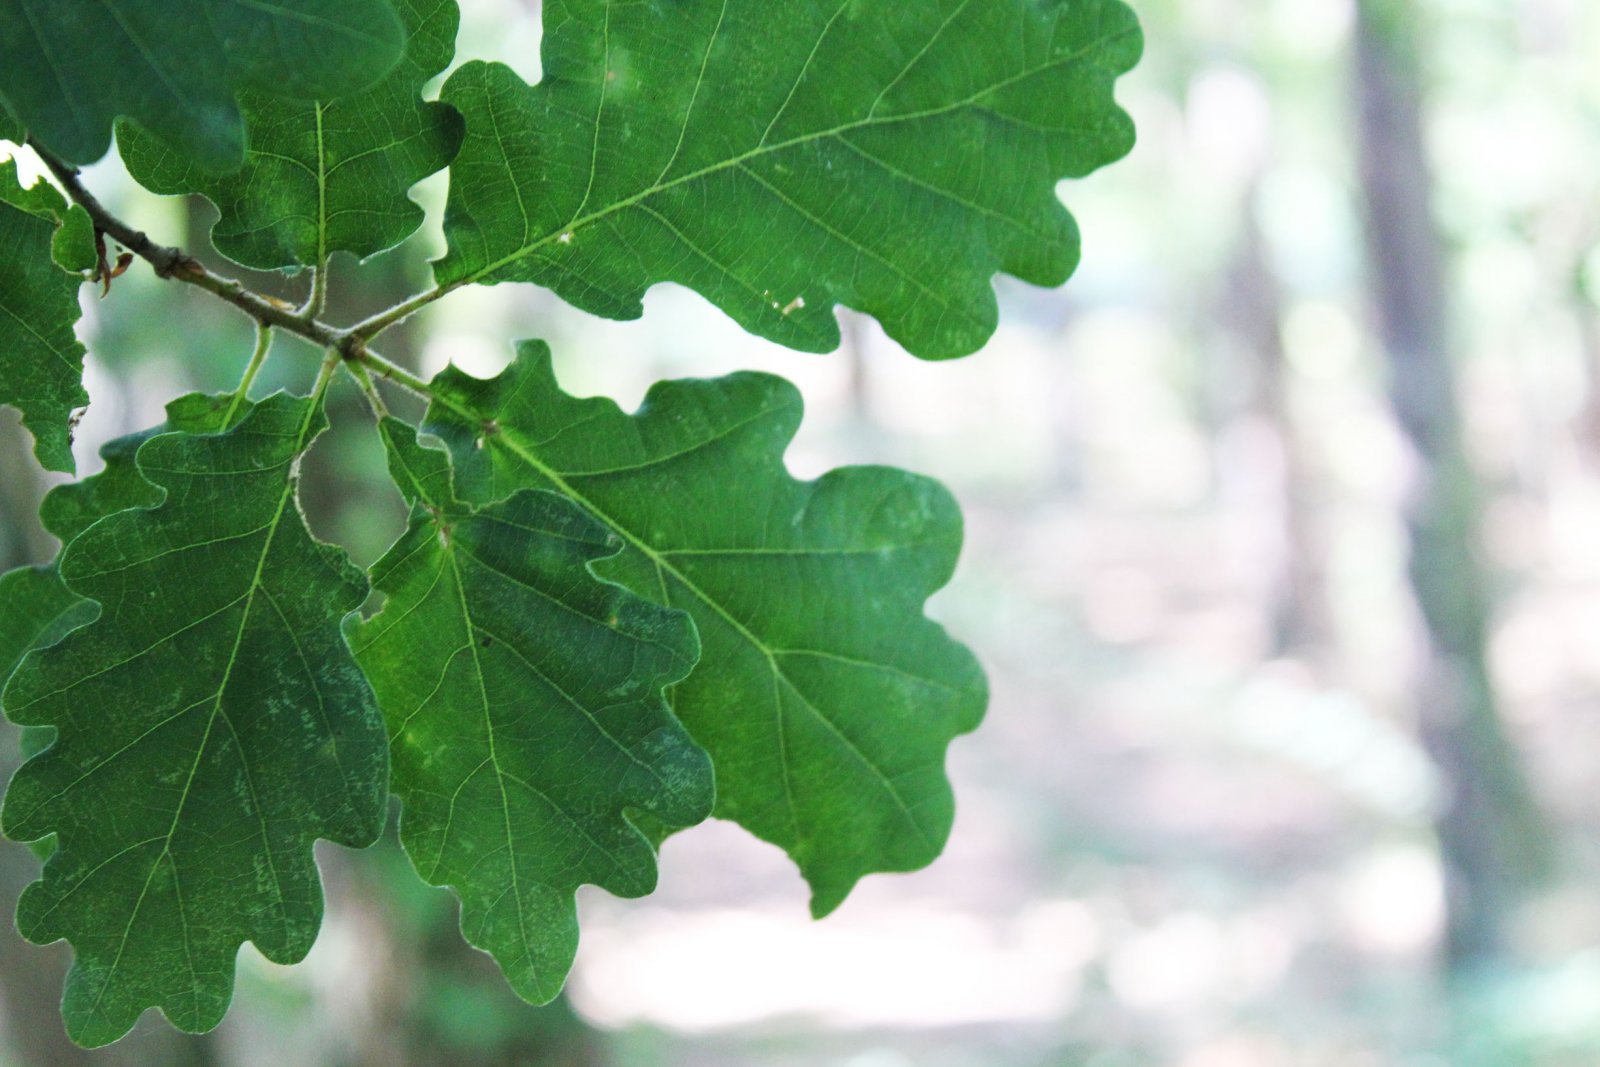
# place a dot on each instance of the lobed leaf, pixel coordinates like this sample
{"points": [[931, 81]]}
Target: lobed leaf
{"points": [[72, 245], [41, 359], [67, 70], [824, 695], [784, 158], [36, 607], [36, 610], [207, 732], [525, 710], [323, 176]]}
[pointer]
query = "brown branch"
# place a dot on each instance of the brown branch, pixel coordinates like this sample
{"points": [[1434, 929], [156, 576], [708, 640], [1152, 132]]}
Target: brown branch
{"points": [[170, 262]]}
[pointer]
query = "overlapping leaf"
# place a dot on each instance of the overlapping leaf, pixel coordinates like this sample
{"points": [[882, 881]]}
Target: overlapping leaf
{"points": [[784, 158], [824, 695], [36, 607], [72, 245], [41, 359], [67, 70], [525, 710], [207, 732], [323, 177]]}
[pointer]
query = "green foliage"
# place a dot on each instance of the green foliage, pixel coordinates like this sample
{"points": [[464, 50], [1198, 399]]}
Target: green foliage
{"points": [[825, 697], [324, 177], [525, 708], [36, 607], [784, 158], [41, 360], [599, 627], [207, 732], [68, 72]]}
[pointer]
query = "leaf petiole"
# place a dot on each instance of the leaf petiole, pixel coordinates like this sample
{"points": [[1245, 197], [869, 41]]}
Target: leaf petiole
{"points": [[392, 372], [318, 299], [368, 328], [257, 358], [369, 388]]}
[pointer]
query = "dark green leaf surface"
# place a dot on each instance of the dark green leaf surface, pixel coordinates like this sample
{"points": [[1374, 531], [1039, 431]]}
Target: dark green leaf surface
{"points": [[824, 695], [781, 158], [41, 360], [72, 246], [68, 69], [324, 177], [207, 732], [36, 607], [525, 710]]}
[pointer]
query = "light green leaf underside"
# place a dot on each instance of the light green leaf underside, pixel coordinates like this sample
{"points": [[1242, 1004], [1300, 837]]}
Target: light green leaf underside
{"points": [[784, 158], [824, 695], [41, 359], [68, 70], [323, 177], [525, 710], [207, 733]]}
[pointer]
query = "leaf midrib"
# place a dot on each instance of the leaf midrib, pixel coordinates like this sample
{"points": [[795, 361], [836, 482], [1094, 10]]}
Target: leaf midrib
{"points": [[217, 711], [500, 774]]}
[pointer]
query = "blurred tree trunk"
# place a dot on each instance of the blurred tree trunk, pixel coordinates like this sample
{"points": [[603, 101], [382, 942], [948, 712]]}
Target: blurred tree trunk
{"points": [[1493, 840], [1254, 311]]}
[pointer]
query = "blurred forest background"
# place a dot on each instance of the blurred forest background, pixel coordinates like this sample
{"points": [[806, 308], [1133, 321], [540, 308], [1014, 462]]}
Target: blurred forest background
{"points": [[1283, 557]]}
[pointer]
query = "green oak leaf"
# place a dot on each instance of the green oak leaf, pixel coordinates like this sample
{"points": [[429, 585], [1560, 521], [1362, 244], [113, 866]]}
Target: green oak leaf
{"points": [[36, 610], [824, 695], [67, 70], [72, 245], [10, 129], [525, 710], [36, 607], [41, 359], [207, 732], [324, 177], [784, 158]]}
